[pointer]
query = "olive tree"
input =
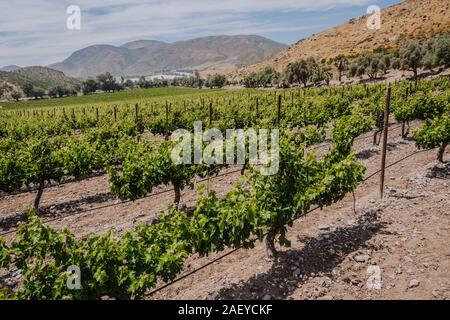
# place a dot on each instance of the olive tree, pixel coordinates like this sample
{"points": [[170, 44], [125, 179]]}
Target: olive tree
{"points": [[298, 72], [411, 57]]}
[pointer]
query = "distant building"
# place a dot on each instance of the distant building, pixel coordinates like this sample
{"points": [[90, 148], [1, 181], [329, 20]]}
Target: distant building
{"points": [[161, 76], [119, 79]]}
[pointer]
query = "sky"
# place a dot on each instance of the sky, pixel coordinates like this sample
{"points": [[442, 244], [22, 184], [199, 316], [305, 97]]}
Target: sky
{"points": [[34, 32]]}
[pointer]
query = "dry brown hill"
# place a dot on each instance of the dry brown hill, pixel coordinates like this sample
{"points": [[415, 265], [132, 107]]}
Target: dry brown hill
{"points": [[411, 19]]}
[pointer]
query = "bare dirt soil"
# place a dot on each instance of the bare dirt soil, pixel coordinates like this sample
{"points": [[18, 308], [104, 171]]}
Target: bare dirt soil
{"points": [[87, 207], [405, 236]]}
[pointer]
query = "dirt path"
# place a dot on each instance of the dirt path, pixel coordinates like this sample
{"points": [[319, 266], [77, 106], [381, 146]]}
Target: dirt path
{"points": [[88, 207]]}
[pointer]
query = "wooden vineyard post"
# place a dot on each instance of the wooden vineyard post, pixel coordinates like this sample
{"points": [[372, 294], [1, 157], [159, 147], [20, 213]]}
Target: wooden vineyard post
{"points": [[385, 137], [115, 113], [404, 132], [210, 114], [166, 135], [257, 108], [136, 112], [279, 111]]}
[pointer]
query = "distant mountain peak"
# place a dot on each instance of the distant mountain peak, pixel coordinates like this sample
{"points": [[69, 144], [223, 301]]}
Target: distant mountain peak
{"points": [[10, 68], [140, 43]]}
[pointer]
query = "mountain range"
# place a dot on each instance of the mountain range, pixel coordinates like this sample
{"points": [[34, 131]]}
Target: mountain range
{"points": [[213, 54]]}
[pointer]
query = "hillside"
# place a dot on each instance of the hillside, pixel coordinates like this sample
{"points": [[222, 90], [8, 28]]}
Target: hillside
{"points": [[41, 77], [411, 19], [219, 53]]}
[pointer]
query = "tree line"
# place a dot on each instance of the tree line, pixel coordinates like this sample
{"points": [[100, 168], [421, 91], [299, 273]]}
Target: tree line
{"points": [[195, 81], [107, 83]]}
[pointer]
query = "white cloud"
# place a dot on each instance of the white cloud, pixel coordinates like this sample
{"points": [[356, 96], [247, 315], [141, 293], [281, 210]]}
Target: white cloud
{"points": [[34, 31]]}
